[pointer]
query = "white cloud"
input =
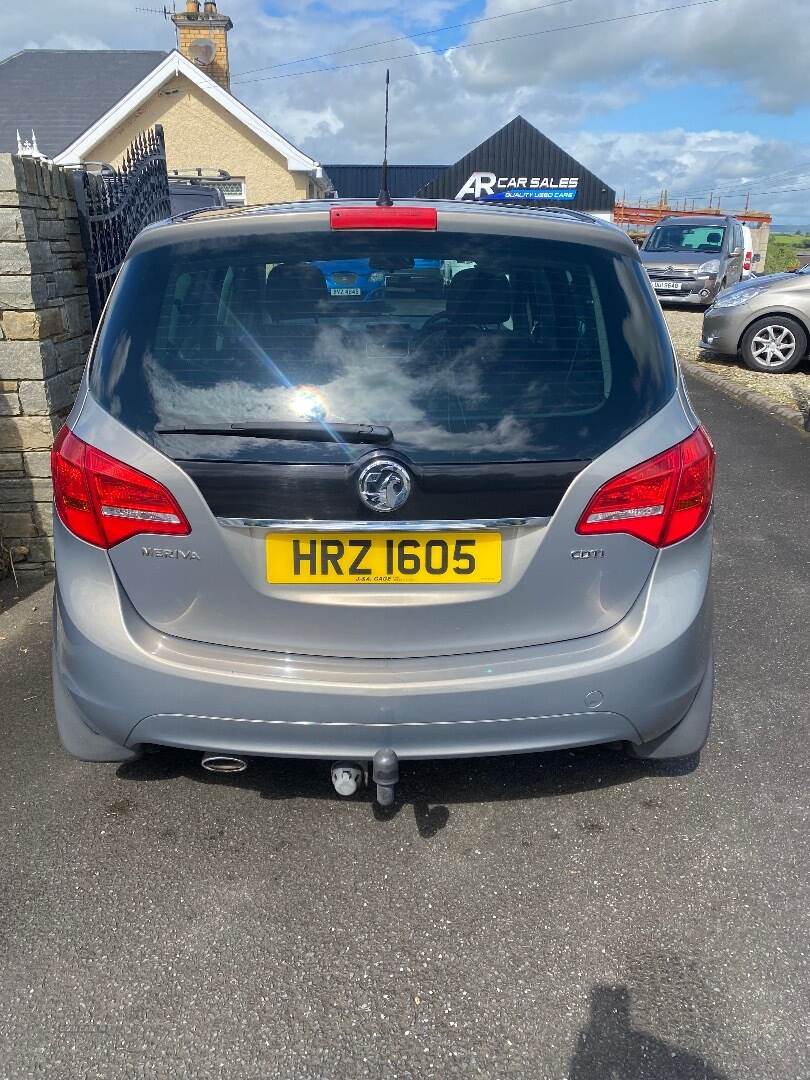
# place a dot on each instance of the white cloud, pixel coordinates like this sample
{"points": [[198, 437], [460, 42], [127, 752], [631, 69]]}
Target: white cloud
{"points": [[732, 42], [63, 40], [444, 104], [695, 164]]}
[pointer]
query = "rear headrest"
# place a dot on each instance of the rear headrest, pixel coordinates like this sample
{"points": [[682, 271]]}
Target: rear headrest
{"points": [[479, 297], [294, 291], [714, 237]]}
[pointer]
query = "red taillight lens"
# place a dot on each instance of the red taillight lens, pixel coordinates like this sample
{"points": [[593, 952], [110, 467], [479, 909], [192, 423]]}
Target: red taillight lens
{"points": [[693, 498], [71, 495], [660, 501], [383, 217], [104, 501], [749, 258]]}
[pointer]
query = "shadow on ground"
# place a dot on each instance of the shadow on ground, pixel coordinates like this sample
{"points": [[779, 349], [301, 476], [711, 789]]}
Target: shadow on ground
{"points": [[430, 788], [14, 592], [609, 1047]]}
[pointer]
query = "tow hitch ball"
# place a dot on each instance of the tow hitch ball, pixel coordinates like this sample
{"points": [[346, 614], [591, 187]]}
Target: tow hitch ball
{"points": [[385, 774], [348, 776]]}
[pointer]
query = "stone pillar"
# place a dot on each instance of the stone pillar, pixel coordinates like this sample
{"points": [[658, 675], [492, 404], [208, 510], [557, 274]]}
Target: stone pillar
{"points": [[45, 335]]}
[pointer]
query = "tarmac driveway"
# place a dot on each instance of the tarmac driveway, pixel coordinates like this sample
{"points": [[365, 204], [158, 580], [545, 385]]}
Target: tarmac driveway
{"points": [[573, 915]]}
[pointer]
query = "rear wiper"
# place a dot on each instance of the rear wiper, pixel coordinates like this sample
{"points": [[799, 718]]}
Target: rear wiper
{"points": [[302, 431]]}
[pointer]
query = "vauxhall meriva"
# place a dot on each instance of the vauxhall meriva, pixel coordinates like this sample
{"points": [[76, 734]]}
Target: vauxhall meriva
{"points": [[469, 518]]}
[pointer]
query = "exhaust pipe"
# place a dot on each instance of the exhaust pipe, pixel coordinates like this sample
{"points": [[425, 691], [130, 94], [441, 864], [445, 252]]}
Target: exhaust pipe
{"points": [[223, 763]]}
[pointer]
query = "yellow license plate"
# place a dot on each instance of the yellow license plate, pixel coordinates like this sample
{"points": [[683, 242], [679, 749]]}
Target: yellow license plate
{"points": [[383, 558]]}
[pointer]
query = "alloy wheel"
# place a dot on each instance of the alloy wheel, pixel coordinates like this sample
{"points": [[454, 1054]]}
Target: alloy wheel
{"points": [[773, 345]]}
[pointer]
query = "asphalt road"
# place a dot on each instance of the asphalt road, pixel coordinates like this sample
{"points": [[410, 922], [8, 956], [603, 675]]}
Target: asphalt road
{"points": [[571, 915]]}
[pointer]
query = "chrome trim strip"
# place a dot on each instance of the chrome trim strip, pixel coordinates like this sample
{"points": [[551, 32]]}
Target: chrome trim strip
{"points": [[625, 515], [437, 525], [393, 724], [139, 515]]}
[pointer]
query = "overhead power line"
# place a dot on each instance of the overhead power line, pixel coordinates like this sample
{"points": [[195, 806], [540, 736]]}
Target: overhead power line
{"points": [[742, 187], [492, 41], [802, 167], [401, 37], [771, 191], [739, 195], [716, 186]]}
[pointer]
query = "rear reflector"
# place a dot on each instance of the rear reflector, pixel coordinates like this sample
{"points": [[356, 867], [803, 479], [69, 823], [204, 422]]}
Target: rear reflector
{"points": [[104, 501], [383, 217], [660, 501]]}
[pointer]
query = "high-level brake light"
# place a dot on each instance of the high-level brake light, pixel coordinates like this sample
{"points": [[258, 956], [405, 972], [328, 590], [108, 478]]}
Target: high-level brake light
{"points": [[383, 217]]}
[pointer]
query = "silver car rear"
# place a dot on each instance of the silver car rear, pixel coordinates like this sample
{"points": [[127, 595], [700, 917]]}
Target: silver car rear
{"points": [[470, 518]]}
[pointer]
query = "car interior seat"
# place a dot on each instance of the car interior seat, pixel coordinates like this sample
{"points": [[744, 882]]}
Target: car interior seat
{"points": [[294, 291], [479, 298]]}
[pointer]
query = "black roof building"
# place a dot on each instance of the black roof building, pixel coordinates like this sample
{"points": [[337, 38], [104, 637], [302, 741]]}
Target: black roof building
{"points": [[59, 93], [363, 181], [516, 164]]}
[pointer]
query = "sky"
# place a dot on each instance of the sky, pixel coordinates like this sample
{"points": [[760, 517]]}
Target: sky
{"points": [[712, 98]]}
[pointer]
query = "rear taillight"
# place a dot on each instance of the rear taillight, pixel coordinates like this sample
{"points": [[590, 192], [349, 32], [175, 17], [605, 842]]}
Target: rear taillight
{"points": [[104, 501], [383, 217], [749, 258], [661, 501]]}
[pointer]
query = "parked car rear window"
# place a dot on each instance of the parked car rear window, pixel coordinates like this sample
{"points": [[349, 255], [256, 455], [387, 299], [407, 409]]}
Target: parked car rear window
{"points": [[469, 347]]}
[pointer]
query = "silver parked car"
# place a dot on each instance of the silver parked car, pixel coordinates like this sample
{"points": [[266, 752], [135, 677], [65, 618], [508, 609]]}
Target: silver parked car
{"points": [[690, 259], [765, 320], [468, 523]]}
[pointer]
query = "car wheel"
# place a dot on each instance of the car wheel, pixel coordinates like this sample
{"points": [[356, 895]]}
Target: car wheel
{"points": [[774, 344]]}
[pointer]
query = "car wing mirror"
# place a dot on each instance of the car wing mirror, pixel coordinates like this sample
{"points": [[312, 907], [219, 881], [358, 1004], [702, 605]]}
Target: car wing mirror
{"points": [[756, 258]]}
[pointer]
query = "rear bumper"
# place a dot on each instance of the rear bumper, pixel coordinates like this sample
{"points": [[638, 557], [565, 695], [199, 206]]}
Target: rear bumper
{"points": [[132, 685], [410, 739]]}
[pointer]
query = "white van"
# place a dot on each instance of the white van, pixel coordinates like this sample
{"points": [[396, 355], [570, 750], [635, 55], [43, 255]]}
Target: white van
{"points": [[748, 253]]}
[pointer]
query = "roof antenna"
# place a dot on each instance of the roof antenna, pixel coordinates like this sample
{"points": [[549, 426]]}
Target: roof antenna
{"points": [[164, 11], [384, 198]]}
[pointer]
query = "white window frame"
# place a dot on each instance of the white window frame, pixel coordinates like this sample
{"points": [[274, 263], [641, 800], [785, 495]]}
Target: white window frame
{"points": [[231, 198]]}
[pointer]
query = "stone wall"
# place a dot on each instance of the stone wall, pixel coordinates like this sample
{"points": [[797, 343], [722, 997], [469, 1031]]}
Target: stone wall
{"points": [[45, 335]]}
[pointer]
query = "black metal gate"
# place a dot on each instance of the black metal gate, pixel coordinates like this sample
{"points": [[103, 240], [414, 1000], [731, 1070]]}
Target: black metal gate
{"points": [[115, 204]]}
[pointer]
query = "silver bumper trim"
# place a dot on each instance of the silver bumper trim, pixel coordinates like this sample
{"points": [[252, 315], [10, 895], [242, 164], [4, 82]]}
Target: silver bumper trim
{"points": [[309, 525]]}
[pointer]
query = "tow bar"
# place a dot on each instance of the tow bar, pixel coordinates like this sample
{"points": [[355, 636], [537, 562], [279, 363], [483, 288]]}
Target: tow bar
{"points": [[348, 776], [385, 774]]}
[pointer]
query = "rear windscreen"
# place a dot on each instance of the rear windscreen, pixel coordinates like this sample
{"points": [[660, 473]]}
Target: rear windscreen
{"points": [[469, 347]]}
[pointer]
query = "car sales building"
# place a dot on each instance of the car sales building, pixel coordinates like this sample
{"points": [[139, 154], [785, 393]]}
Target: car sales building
{"points": [[517, 163]]}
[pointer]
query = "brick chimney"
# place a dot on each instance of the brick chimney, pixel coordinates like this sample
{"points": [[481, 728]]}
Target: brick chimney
{"points": [[202, 37]]}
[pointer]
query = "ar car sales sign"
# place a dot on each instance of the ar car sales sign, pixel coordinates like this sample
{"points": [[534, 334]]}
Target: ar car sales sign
{"points": [[489, 187]]}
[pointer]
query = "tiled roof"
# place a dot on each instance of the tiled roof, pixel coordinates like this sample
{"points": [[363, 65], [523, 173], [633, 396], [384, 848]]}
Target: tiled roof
{"points": [[59, 93]]}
